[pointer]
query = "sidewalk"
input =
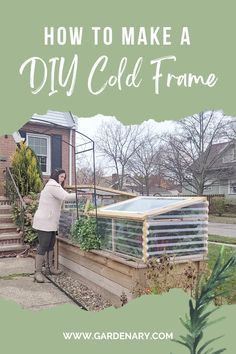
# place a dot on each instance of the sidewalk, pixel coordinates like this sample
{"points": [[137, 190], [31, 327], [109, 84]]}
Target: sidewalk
{"points": [[222, 229], [16, 284]]}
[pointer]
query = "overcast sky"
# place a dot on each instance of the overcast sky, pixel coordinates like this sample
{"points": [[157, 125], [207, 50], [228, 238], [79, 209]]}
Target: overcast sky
{"points": [[90, 126]]}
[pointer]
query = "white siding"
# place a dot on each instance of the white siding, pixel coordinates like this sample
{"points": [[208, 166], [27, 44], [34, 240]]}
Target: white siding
{"points": [[60, 118]]}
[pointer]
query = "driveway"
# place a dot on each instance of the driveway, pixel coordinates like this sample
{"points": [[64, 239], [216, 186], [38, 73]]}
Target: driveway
{"points": [[222, 229], [16, 284]]}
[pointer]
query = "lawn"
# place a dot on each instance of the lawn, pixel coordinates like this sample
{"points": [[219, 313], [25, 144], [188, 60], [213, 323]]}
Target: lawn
{"points": [[230, 286], [225, 219], [223, 239]]}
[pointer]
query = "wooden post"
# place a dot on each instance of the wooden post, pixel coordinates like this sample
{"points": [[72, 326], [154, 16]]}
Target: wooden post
{"points": [[87, 204], [56, 254], [113, 234], [145, 240]]}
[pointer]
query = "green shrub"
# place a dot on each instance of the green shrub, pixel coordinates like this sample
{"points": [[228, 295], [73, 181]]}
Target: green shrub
{"points": [[31, 202], [231, 205], [218, 205], [84, 233], [26, 170]]}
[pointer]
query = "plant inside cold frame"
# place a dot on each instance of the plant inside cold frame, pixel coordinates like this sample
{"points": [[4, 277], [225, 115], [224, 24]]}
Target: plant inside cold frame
{"points": [[84, 233], [198, 318]]}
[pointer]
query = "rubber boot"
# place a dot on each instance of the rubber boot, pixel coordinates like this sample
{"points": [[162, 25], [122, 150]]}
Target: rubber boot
{"points": [[38, 276], [46, 269], [49, 265]]}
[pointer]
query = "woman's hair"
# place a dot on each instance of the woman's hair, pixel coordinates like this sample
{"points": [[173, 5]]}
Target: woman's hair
{"points": [[55, 175]]}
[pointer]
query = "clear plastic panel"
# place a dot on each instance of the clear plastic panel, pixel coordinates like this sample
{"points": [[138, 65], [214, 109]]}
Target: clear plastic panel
{"points": [[143, 204], [180, 232], [199, 210], [121, 236]]}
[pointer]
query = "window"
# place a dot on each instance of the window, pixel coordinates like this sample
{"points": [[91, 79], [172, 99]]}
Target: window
{"points": [[230, 155], [232, 187], [40, 144], [208, 188]]}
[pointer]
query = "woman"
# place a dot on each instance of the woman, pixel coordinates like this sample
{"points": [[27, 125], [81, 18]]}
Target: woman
{"points": [[46, 220]]}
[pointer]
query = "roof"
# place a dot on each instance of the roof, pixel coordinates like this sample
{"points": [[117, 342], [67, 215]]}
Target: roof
{"points": [[219, 150], [63, 119], [128, 181], [215, 156], [160, 190]]}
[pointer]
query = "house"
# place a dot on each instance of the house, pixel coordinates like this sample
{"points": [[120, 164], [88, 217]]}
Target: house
{"points": [[51, 136], [221, 175], [130, 184], [157, 185]]}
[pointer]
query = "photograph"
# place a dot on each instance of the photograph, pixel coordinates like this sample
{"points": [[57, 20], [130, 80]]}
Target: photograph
{"points": [[127, 211], [118, 177]]}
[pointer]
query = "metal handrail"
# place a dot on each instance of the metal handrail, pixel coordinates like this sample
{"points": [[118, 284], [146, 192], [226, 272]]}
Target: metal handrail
{"points": [[14, 195], [15, 187]]}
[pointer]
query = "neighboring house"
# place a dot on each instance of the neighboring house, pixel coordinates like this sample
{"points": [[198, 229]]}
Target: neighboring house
{"points": [[51, 136], [130, 184], [157, 185], [221, 176], [160, 186]]}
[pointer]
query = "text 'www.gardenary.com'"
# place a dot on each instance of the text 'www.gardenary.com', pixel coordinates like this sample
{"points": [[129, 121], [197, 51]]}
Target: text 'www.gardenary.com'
{"points": [[110, 336]]}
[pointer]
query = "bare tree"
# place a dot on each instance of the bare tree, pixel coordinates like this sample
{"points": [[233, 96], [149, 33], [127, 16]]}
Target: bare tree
{"points": [[85, 172], [193, 151], [144, 162], [85, 175], [118, 143]]}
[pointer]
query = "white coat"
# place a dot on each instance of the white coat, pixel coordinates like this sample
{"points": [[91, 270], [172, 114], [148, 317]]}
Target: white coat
{"points": [[48, 213]]}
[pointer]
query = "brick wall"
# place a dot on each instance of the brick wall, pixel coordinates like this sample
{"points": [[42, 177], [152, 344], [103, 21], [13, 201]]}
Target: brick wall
{"points": [[7, 149], [65, 133], [8, 146]]}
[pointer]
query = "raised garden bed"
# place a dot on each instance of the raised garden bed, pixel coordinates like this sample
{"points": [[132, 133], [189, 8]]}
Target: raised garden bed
{"points": [[108, 274]]}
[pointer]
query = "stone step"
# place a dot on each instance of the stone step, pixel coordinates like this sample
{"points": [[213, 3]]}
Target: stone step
{"points": [[11, 236], [10, 239], [10, 242], [4, 201], [12, 249], [5, 209], [7, 227], [5, 218], [2, 197]]}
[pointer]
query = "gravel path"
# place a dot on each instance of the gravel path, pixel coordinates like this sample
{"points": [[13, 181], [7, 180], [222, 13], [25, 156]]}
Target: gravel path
{"points": [[89, 299]]}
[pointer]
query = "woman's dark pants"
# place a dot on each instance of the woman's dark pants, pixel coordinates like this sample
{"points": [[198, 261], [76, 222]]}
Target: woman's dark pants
{"points": [[47, 241]]}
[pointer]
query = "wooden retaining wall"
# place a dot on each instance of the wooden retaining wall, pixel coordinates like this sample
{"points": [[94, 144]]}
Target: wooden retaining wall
{"points": [[105, 273]]}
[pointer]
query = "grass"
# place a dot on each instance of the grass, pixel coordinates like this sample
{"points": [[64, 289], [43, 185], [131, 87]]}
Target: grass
{"points": [[223, 239], [13, 276], [225, 219], [230, 286]]}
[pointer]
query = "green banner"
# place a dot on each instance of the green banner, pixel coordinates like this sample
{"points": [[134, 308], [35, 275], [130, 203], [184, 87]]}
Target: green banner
{"points": [[161, 60]]}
